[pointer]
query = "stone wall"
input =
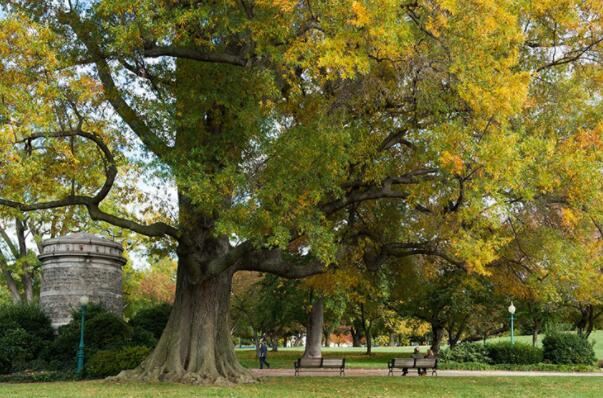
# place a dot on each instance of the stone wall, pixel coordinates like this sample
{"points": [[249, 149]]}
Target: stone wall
{"points": [[78, 265]]}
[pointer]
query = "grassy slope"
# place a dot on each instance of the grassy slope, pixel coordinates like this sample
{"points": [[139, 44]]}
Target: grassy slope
{"points": [[304, 387]]}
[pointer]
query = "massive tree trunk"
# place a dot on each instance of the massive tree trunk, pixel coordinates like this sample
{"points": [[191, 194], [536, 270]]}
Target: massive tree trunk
{"points": [[314, 330], [196, 345]]}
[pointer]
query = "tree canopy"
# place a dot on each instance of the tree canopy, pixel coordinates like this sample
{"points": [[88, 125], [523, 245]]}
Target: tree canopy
{"points": [[303, 134]]}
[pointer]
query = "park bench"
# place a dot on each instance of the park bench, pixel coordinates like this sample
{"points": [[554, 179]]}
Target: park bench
{"points": [[413, 363], [320, 363]]}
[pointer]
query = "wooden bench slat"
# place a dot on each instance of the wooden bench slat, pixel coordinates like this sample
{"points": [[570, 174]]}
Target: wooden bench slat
{"points": [[332, 362], [320, 363], [403, 363], [310, 362], [425, 363]]}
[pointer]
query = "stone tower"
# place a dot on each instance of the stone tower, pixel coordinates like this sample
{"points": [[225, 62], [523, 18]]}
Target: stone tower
{"points": [[78, 265]]}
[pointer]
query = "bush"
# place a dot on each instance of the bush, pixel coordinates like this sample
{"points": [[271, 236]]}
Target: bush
{"points": [[25, 331], [39, 377], [567, 348], [466, 352], [143, 337], [152, 319], [539, 367], [110, 362], [103, 330], [518, 353]]}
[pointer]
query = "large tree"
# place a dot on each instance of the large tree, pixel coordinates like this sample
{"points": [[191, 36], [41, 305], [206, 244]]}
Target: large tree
{"points": [[298, 132]]}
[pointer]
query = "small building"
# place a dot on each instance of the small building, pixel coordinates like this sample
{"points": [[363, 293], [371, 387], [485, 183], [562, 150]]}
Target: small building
{"points": [[79, 265]]}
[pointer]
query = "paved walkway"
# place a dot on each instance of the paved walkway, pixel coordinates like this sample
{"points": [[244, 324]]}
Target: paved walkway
{"points": [[353, 372]]}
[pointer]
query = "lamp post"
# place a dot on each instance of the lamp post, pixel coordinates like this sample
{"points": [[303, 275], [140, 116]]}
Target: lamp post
{"points": [[80, 352], [512, 312]]}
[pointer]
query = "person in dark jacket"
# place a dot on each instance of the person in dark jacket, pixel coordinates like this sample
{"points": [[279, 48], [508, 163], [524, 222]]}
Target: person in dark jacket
{"points": [[263, 355]]}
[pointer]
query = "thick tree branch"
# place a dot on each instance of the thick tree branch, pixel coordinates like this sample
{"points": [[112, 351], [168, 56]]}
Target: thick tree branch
{"points": [[276, 262], [84, 32], [194, 54], [157, 229], [92, 202], [406, 250], [11, 246], [385, 191]]}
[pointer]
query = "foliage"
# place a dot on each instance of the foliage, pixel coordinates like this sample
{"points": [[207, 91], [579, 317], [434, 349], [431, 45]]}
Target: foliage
{"points": [[365, 130], [152, 319], [517, 353], [151, 286], [537, 367], [466, 352], [110, 362], [103, 330], [24, 332], [43, 376], [568, 348]]}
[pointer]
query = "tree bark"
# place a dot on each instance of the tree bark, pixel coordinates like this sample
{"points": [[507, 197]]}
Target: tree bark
{"points": [[12, 287], [314, 330], [369, 341], [355, 337], [195, 346], [437, 335], [327, 337]]}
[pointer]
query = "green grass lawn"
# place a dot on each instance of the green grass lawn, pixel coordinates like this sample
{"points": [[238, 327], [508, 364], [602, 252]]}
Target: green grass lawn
{"points": [[304, 387], [356, 357], [596, 337]]}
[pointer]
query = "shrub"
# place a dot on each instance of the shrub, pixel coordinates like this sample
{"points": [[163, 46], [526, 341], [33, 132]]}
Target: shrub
{"points": [[518, 353], [29, 317], [103, 330], [152, 319], [567, 348], [110, 362], [25, 331], [466, 352], [143, 337]]}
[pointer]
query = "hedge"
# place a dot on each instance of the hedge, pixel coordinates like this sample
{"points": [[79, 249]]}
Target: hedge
{"points": [[110, 362], [517, 354], [568, 348]]}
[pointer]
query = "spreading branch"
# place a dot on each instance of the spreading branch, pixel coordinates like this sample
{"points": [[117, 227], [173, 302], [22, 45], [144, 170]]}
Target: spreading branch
{"points": [[84, 32], [194, 54], [92, 202], [276, 262], [386, 190]]}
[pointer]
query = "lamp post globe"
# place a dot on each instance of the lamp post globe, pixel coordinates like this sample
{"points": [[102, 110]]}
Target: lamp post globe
{"points": [[512, 312], [84, 300]]}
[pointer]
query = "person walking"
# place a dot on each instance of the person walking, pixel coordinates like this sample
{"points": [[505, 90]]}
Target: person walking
{"points": [[263, 355]]}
